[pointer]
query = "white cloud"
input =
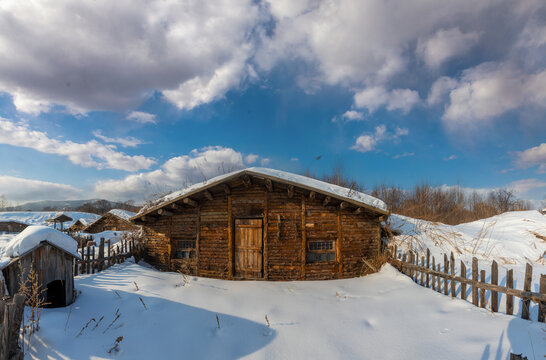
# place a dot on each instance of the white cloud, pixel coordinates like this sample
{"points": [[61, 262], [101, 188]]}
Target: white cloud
{"points": [[175, 173], [524, 186], [445, 44], [403, 155], [125, 142], [535, 156], [352, 115], [22, 190], [487, 91], [294, 159], [440, 88], [451, 157], [191, 51], [398, 99], [141, 117], [251, 158], [368, 142], [265, 161], [89, 154]]}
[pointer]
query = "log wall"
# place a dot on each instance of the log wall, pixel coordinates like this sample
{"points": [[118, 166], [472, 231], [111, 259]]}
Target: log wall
{"points": [[289, 224]]}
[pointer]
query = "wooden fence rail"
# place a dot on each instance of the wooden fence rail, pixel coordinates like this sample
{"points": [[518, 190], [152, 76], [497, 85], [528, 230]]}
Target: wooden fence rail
{"points": [[107, 256], [446, 282]]}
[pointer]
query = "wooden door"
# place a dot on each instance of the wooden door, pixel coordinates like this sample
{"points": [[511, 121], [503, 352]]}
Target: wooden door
{"points": [[248, 248]]}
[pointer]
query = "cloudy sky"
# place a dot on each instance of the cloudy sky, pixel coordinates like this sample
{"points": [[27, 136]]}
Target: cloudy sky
{"points": [[123, 99]]}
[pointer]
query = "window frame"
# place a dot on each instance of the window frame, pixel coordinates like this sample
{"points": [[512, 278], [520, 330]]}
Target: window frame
{"points": [[185, 247], [320, 252]]}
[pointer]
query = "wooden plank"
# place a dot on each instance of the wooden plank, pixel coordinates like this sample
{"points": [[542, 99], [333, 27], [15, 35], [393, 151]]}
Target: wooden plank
{"points": [[338, 244], [227, 189], [482, 290], [230, 238], [404, 264], [510, 298], [439, 287], [164, 212], [446, 263], [269, 185], [101, 254], [312, 195], [463, 284], [542, 304], [343, 205], [326, 201], [109, 252], [190, 202], [428, 267], [303, 238], [357, 211], [208, 195], [422, 272], [526, 287], [494, 281], [290, 191], [475, 279], [452, 268]]}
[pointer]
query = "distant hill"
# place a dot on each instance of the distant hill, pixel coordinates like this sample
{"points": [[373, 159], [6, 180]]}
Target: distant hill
{"points": [[100, 205]]}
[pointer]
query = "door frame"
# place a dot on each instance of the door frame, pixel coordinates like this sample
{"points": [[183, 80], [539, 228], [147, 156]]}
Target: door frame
{"points": [[234, 249]]}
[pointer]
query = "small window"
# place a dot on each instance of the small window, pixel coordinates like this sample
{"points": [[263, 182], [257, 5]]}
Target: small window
{"points": [[185, 249], [320, 251]]}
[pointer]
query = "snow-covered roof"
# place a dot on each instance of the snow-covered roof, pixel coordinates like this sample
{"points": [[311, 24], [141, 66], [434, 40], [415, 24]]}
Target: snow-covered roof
{"points": [[123, 214], [32, 236], [278, 175]]}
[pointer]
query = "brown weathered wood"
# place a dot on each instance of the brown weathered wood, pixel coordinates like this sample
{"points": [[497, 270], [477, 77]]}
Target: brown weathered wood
{"points": [[542, 304], [198, 236], [101, 254], [446, 264], [358, 211], [475, 279], [463, 284], [230, 237], [208, 195], [428, 267], [494, 281], [246, 181], [312, 195], [510, 298], [452, 268], [109, 253], [439, 288], [422, 272], [88, 267], [269, 185], [338, 244], [290, 191], [164, 212], [326, 201], [190, 202], [303, 238], [248, 249], [482, 290], [526, 287], [227, 189], [176, 207], [266, 234], [404, 268], [433, 276], [343, 205]]}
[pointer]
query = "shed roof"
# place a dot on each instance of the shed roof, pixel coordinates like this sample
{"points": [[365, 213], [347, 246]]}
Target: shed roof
{"points": [[61, 217], [355, 197]]}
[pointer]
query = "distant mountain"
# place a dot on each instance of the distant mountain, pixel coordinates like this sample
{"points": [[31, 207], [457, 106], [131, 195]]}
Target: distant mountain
{"points": [[61, 205]]}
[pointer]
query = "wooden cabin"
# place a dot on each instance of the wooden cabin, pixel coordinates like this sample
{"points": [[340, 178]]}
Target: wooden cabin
{"points": [[78, 226], [54, 266], [263, 224], [113, 220], [12, 226]]}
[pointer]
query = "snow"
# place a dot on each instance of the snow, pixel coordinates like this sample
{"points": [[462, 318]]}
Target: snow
{"points": [[123, 214], [384, 316], [334, 190], [40, 217], [31, 238]]}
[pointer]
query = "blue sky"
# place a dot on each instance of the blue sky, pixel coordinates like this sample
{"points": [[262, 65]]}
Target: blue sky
{"points": [[121, 101]]}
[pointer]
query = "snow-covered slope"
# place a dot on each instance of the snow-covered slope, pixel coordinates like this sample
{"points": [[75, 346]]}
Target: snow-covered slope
{"points": [[40, 217], [380, 316]]}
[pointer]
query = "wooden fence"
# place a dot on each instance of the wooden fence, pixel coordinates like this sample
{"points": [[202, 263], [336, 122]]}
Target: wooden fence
{"points": [[11, 316], [431, 275], [107, 256]]}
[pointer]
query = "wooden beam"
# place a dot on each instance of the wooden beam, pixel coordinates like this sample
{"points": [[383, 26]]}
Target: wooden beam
{"points": [[246, 180], [208, 195], [290, 191], [326, 200], [142, 218], [164, 212], [227, 189], [343, 205], [312, 195], [357, 211], [269, 185], [198, 237], [176, 207], [190, 202]]}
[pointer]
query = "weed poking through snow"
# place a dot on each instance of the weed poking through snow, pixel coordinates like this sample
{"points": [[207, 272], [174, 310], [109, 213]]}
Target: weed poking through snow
{"points": [[113, 321], [143, 304], [218, 321], [97, 324], [85, 327], [115, 347], [267, 321], [136, 285], [117, 294]]}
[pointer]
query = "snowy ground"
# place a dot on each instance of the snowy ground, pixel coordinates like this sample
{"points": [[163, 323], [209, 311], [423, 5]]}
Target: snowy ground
{"points": [[40, 217], [380, 316]]}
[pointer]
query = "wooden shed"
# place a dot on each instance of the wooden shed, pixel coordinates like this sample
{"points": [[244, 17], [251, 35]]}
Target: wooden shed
{"points": [[59, 218], [78, 226], [52, 263], [266, 224], [12, 226], [113, 220]]}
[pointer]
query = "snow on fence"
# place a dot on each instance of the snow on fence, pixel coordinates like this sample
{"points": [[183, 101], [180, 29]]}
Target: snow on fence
{"points": [[107, 256], [431, 275]]}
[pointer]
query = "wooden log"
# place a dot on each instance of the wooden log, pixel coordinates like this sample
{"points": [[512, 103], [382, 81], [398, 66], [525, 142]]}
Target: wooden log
{"points": [[428, 267], [494, 281], [101, 254], [164, 212], [452, 268], [357, 211], [475, 279], [303, 238], [230, 239], [269, 185], [463, 284], [227, 189], [326, 201], [190, 202], [446, 263], [526, 287], [208, 195], [246, 181], [176, 207], [510, 298], [290, 191], [433, 276], [482, 290], [11, 316], [338, 244], [542, 304], [343, 205]]}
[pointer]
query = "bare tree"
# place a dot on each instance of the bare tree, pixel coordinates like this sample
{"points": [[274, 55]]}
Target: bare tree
{"points": [[4, 204]]}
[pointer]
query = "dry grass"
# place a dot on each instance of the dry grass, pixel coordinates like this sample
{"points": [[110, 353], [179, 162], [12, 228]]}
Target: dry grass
{"points": [[373, 265]]}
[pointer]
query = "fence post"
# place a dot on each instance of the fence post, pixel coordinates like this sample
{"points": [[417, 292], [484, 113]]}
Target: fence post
{"points": [[109, 258], [93, 261], [482, 290], [446, 289], [475, 280], [526, 287], [404, 264], [101, 254], [494, 281], [433, 276], [452, 268], [439, 288], [510, 298], [463, 284], [542, 304], [428, 267], [88, 263], [422, 272]]}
